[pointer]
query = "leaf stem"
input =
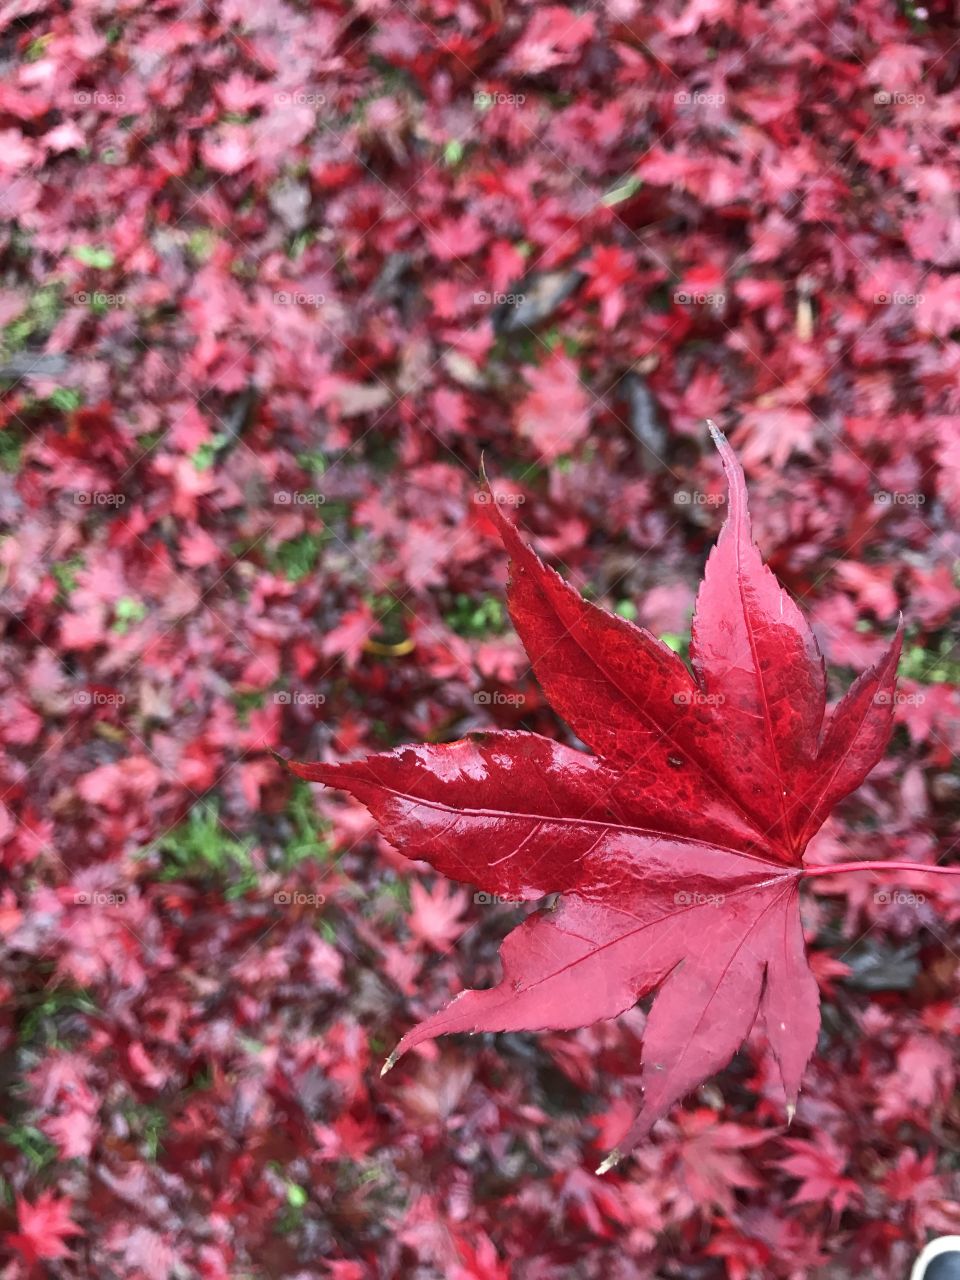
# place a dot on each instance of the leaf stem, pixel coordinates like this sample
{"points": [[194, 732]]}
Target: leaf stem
{"points": [[839, 868]]}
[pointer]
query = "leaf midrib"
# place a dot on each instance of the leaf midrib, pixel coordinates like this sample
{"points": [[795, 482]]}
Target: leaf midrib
{"points": [[564, 818]]}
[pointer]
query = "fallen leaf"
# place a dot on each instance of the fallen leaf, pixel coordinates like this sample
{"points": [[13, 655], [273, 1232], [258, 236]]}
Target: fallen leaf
{"points": [[677, 850]]}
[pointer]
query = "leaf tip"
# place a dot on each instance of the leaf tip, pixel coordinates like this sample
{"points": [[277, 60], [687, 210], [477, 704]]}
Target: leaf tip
{"points": [[721, 442], [390, 1063], [612, 1160], [791, 1112]]}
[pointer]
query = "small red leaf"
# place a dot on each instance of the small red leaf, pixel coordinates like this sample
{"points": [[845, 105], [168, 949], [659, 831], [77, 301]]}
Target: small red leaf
{"points": [[44, 1227]]}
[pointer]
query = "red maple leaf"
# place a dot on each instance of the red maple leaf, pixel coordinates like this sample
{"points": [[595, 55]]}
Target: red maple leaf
{"points": [[555, 413], [677, 848], [43, 1228], [435, 917], [820, 1169]]}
